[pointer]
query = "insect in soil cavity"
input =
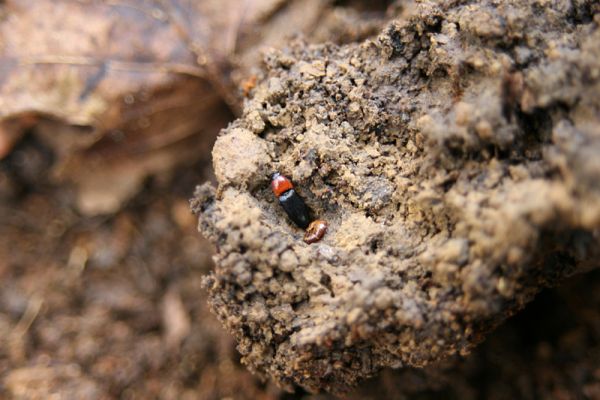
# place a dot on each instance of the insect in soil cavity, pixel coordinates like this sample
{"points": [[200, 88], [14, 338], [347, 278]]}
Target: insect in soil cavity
{"points": [[291, 202]]}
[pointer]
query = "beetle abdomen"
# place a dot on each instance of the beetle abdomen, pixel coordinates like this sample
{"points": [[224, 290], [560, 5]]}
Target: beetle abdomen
{"points": [[295, 208]]}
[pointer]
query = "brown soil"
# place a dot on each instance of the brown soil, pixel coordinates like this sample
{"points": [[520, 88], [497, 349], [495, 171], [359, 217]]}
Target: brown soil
{"points": [[454, 157], [84, 302]]}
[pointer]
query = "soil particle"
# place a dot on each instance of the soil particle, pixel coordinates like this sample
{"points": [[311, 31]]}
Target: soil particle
{"points": [[454, 159]]}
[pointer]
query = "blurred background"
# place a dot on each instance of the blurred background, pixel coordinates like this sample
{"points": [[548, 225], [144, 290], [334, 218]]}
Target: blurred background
{"points": [[108, 112]]}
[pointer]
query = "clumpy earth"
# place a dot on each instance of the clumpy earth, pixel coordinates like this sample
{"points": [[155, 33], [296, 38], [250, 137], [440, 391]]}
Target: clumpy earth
{"points": [[111, 306], [455, 158]]}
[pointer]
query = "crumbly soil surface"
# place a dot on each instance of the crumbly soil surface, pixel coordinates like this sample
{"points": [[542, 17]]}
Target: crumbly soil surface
{"points": [[112, 306], [455, 157]]}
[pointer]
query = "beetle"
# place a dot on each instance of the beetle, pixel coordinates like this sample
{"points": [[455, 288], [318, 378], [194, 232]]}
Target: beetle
{"points": [[290, 200]]}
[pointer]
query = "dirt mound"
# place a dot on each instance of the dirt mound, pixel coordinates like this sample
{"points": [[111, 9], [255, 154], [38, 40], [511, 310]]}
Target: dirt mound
{"points": [[455, 159]]}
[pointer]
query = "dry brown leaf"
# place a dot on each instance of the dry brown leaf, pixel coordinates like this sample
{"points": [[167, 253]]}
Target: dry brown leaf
{"points": [[120, 68]]}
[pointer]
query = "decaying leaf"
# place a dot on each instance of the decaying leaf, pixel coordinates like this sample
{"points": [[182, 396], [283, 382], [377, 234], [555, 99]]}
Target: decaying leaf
{"points": [[120, 71]]}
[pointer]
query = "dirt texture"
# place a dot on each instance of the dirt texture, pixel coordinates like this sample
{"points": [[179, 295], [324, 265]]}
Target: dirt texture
{"points": [[550, 350], [108, 307], [454, 157], [108, 113]]}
